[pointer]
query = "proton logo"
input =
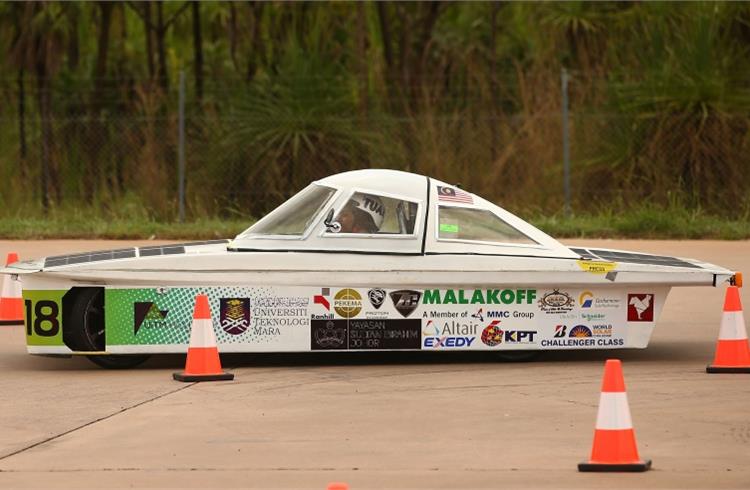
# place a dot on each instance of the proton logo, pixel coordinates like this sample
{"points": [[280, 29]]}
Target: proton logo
{"points": [[146, 310], [377, 296], [347, 303], [234, 315], [405, 301]]}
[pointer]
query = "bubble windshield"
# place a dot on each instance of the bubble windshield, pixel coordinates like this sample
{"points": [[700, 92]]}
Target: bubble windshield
{"points": [[296, 215]]}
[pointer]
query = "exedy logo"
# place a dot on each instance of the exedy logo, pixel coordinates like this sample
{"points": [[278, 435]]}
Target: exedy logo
{"points": [[405, 301], [377, 296], [146, 310]]}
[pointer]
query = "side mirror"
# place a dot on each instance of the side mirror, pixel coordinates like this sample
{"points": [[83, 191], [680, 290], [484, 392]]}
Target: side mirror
{"points": [[331, 226]]}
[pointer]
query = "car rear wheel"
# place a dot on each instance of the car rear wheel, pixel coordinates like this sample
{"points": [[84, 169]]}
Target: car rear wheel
{"points": [[88, 333]]}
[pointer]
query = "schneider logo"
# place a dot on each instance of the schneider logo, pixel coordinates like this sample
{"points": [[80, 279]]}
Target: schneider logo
{"points": [[479, 296]]}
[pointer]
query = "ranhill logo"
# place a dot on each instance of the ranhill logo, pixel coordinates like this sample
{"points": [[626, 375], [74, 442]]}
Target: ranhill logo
{"points": [[146, 310]]}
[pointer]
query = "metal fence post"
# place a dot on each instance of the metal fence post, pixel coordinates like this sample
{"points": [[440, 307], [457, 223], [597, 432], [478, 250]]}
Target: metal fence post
{"points": [[181, 150], [566, 143]]}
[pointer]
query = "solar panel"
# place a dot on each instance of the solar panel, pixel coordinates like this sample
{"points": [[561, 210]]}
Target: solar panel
{"points": [[174, 249], [161, 250], [633, 258], [80, 258], [124, 253]]}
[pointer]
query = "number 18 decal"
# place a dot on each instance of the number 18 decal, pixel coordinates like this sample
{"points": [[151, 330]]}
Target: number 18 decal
{"points": [[45, 322]]}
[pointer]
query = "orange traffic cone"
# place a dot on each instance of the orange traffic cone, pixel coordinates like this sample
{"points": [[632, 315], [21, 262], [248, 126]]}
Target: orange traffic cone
{"points": [[732, 349], [11, 302], [614, 439], [203, 362]]}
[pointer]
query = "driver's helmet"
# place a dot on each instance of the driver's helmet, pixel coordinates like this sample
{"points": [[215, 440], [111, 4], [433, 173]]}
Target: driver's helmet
{"points": [[371, 206]]}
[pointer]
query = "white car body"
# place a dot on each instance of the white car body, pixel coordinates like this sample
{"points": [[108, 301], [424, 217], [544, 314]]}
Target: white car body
{"points": [[430, 284]]}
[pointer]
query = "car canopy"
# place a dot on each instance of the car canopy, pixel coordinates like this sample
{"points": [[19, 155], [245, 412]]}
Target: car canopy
{"points": [[405, 213]]}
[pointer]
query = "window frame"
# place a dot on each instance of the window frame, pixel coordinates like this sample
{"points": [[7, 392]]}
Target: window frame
{"points": [[438, 238], [314, 221], [324, 233]]}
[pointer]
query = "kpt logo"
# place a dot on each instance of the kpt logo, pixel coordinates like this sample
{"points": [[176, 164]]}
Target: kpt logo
{"points": [[492, 335]]}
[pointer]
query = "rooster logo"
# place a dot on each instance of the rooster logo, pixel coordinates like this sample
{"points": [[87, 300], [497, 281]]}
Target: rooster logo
{"points": [[640, 307]]}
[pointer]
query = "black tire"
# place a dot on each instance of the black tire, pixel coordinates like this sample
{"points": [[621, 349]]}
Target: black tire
{"points": [[87, 331], [119, 362], [518, 355]]}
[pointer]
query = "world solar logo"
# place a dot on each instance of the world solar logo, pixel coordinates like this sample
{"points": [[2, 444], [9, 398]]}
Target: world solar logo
{"points": [[580, 331]]}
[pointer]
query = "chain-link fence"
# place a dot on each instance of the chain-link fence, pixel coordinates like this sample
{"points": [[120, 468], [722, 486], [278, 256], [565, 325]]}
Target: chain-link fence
{"points": [[247, 152]]}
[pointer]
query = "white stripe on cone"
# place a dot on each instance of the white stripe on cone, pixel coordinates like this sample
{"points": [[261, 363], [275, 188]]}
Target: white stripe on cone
{"points": [[614, 413], [202, 333], [732, 326], [11, 288]]}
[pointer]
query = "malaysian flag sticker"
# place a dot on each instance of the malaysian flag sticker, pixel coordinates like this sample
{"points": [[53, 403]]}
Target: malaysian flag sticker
{"points": [[451, 194]]}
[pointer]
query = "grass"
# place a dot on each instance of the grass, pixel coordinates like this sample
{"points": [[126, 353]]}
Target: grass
{"points": [[646, 222], [118, 228]]}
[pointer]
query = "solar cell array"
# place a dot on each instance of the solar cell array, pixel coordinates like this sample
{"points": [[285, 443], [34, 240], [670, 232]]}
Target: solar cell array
{"points": [[124, 253], [161, 250], [633, 258]]}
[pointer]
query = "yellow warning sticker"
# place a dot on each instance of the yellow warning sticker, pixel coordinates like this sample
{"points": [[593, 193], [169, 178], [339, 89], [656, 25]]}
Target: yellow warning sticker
{"points": [[595, 267]]}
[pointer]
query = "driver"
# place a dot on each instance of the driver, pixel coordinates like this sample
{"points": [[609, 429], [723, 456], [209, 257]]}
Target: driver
{"points": [[363, 213]]}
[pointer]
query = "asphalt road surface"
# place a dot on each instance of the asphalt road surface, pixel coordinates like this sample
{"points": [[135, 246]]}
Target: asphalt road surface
{"points": [[381, 420]]}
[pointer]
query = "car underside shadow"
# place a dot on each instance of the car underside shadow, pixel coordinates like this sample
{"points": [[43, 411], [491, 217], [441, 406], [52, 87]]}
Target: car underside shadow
{"points": [[684, 351]]}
